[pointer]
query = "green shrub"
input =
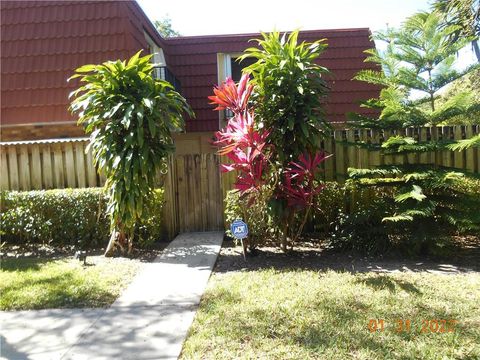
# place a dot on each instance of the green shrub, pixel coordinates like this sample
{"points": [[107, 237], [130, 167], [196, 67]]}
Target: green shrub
{"points": [[66, 217], [330, 203], [360, 227], [260, 224]]}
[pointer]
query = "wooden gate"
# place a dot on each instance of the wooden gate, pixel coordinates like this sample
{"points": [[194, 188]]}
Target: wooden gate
{"points": [[193, 187]]}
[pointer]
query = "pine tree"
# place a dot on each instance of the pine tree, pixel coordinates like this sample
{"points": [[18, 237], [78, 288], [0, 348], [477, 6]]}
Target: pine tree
{"points": [[415, 66]]}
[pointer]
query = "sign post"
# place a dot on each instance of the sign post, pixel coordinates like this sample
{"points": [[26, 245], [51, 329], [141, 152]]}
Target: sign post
{"points": [[239, 230]]}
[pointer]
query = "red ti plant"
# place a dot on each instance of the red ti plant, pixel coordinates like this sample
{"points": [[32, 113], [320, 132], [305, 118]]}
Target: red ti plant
{"points": [[246, 147], [240, 141], [232, 97], [299, 188]]}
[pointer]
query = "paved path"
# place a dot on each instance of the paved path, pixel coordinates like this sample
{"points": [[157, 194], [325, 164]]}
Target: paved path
{"points": [[149, 320]]}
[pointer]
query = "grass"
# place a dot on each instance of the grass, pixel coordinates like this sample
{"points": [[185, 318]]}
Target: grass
{"points": [[304, 314], [45, 284]]}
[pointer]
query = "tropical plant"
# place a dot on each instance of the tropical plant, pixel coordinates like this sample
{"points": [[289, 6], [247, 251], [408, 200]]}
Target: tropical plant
{"points": [[418, 60], [469, 83], [246, 145], [464, 15], [461, 145], [288, 93], [165, 28], [130, 117]]}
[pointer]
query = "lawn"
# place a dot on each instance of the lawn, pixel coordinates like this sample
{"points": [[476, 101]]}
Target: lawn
{"points": [[63, 283], [306, 314]]}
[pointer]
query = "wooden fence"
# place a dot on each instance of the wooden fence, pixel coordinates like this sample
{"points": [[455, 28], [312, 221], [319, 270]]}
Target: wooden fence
{"points": [[194, 188], [47, 164], [348, 150]]}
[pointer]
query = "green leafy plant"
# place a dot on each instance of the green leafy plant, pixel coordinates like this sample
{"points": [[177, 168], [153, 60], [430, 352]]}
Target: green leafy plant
{"points": [[165, 28], [419, 58], [289, 90], [465, 16], [461, 145], [261, 226], [75, 217], [258, 181], [130, 117]]}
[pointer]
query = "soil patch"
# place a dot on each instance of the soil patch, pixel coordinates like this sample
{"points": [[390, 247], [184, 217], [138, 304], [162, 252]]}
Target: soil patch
{"points": [[315, 254]]}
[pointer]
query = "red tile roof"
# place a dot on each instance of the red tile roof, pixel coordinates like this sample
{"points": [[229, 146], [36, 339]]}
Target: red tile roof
{"points": [[44, 41], [194, 62]]}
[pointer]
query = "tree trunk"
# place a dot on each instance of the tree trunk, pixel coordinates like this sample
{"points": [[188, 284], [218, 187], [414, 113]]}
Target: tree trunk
{"points": [[283, 243], [117, 239], [288, 221]]}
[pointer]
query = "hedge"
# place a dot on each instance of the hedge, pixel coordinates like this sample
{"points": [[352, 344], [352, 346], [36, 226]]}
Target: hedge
{"points": [[67, 217]]}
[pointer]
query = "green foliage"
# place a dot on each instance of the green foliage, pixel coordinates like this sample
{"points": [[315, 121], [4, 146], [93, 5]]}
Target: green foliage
{"points": [[461, 145], [68, 217], [261, 225], [288, 93], [360, 227], [465, 15], [470, 84], [426, 204], [164, 27], [329, 204], [130, 117], [419, 58]]}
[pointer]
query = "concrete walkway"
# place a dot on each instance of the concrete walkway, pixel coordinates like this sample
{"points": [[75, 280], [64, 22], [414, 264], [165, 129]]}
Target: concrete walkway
{"points": [[149, 320]]}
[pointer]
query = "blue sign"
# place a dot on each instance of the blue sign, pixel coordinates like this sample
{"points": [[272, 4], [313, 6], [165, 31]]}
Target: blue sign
{"points": [[239, 229]]}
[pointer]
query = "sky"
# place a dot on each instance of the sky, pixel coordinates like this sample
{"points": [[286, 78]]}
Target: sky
{"points": [[199, 17]]}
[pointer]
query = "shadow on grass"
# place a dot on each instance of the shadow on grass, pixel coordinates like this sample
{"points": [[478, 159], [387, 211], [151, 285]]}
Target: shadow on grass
{"points": [[23, 264], [59, 291], [380, 282]]}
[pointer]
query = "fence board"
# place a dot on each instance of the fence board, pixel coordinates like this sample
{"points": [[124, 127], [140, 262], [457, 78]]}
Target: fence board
{"points": [[4, 169], [204, 192], [329, 164], [339, 155], [80, 165], [374, 155], [24, 169], [36, 174], [180, 169], [58, 164], [90, 169], [458, 156], [47, 167], [70, 165], [13, 168]]}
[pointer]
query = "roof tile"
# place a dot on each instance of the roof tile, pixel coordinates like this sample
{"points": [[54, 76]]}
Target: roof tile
{"points": [[44, 41]]}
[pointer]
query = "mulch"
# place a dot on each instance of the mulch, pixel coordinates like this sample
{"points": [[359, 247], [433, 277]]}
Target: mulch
{"points": [[315, 254], [42, 251]]}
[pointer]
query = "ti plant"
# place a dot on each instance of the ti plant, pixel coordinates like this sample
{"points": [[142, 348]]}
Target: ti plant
{"points": [[130, 117], [246, 145], [289, 91], [418, 58]]}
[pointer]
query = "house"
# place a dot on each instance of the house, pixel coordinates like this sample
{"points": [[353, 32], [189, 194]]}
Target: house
{"points": [[44, 41]]}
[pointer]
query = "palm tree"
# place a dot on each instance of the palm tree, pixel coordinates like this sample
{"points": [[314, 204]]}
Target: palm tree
{"points": [[465, 15]]}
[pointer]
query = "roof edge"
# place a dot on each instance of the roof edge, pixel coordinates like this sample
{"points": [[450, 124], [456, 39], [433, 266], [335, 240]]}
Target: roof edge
{"points": [[216, 36]]}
